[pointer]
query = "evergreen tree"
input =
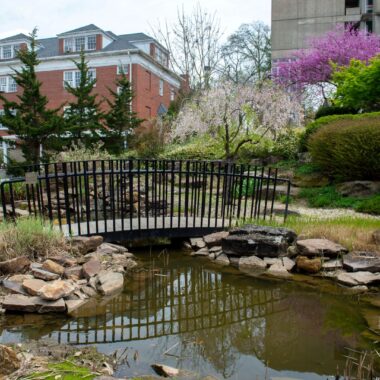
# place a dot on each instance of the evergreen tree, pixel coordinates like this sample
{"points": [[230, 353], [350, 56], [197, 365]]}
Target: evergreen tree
{"points": [[120, 120], [83, 116], [28, 118]]}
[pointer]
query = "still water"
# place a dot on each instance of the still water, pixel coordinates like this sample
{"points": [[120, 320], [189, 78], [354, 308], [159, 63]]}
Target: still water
{"points": [[190, 314]]}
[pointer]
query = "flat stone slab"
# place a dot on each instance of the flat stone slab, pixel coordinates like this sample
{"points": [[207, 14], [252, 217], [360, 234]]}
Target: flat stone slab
{"points": [[362, 261], [222, 259], [332, 265], [358, 278], [215, 239], [249, 229], [254, 245], [202, 252], [72, 305], [197, 243], [56, 290], [44, 275], [33, 286], [91, 268], [14, 287], [278, 270], [319, 247], [252, 265]]}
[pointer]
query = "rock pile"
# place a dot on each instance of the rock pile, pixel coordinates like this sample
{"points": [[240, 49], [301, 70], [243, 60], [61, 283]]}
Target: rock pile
{"points": [[276, 252], [64, 282]]}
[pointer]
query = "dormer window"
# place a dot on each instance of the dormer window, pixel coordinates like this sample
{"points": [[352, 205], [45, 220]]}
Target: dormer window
{"points": [[73, 44], [8, 51]]}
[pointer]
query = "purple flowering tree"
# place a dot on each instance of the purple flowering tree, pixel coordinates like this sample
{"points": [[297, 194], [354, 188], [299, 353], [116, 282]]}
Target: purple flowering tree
{"points": [[312, 66]]}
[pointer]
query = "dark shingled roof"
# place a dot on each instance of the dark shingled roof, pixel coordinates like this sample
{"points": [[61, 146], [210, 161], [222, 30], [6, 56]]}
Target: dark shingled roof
{"points": [[49, 47], [87, 28], [20, 36]]}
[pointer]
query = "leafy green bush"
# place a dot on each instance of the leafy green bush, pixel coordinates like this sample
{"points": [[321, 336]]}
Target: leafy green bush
{"points": [[370, 205], [333, 110], [317, 124], [348, 150], [195, 149], [286, 145], [326, 197]]}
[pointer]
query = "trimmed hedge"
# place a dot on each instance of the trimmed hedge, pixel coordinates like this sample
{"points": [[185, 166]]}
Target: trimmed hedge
{"points": [[333, 110], [348, 148], [317, 124]]}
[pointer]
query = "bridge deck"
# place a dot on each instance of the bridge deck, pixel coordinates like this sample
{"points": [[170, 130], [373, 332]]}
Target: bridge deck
{"points": [[146, 227]]}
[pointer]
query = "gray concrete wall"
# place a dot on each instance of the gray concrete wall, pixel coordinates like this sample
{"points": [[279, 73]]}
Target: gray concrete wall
{"points": [[294, 22]]}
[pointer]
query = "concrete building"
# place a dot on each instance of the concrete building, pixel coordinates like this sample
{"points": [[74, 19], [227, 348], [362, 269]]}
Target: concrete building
{"points": [[294, 22], [142, 58]]}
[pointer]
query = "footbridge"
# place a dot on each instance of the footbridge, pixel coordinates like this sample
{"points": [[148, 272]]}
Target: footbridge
{"points": [[134, 199]]}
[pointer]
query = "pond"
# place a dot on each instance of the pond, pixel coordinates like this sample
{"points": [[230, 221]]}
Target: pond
{"points": [[208, 320]]}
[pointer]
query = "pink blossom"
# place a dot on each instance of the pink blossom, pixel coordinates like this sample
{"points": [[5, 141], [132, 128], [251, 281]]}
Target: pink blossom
{"points": [[313, 66]]}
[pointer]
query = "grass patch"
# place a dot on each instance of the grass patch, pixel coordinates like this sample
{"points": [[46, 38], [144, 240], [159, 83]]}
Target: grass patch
{"points": [[62, 371], [306, 169], [30, 237], [328, 197], [354, 233]]}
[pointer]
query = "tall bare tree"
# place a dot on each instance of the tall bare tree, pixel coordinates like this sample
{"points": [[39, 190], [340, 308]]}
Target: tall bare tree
{"points": [[193, 42], [246, 56]]}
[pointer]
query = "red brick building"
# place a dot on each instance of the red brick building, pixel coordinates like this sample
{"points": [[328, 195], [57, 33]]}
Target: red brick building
{"points": [[141, 57]]}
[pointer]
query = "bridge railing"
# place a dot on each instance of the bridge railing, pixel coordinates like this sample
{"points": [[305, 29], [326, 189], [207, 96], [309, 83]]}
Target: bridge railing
{"points": [[136, 196]]}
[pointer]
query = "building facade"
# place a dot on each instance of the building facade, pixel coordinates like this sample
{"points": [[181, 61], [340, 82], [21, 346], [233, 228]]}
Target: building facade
{"points": [[294, 22], [140, 57]]}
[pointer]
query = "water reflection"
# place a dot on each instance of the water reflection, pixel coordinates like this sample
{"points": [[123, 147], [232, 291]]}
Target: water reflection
{"points": [[217, 321]]}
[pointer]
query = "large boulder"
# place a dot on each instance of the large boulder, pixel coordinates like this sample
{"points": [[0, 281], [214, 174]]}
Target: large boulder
{"points": [[110, 282], [17, 265], [215, 239], [83, 244], [197, 243], [252, 265], [305, 264], [319, 247], [359, 188], [27, 304], [361, 261], [249, 229], [222, 260], [91, 268], [279, 269], [9, 362], [74, 273], [255, 245]]}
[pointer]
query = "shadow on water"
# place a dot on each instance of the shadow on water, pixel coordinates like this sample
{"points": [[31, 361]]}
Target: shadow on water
{"points": [[190, 314]]}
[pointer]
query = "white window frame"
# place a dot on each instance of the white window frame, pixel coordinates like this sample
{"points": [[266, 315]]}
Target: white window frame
{"points": [[13, 50], [8, 84], [124, 66], [93, 47], [75, 77], [172, 94], [161, 87], [73, 44], [2, 128]]}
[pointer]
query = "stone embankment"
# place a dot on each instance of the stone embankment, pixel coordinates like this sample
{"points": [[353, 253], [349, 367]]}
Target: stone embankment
{"points": [[65, 282], [277, 252]]}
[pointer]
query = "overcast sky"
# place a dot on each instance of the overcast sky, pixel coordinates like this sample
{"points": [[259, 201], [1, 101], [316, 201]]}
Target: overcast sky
{"points": [[120, 16]]}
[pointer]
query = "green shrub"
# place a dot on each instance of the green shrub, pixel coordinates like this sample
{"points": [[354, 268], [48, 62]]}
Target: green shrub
{"points": [[195, 149], [333, 110], [348, 150], [317, 124], [286, 145], [370, 205], [326, 197]]}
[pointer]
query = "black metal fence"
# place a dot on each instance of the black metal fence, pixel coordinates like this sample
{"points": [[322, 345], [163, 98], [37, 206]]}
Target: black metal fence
{"points": [[139, 198]]}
